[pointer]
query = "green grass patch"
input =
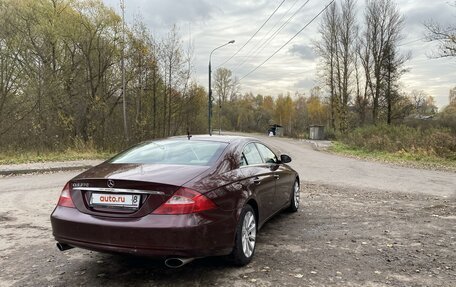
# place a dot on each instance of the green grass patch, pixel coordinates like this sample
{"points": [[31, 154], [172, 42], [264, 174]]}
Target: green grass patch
{"points": [[409, 141], [399, 157], [15, 157]]}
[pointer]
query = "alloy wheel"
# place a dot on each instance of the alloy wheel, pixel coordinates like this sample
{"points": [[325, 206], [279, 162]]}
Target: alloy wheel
{"points": [[297, 194], [248, 234]]}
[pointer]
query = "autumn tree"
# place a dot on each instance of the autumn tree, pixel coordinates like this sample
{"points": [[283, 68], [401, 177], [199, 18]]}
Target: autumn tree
{"points": [[316, 108], [225, 88], [143, 81], [15, 106], [447, 117], [60, 78], [422, 103], [284, 112], [301, 119], [223, 84]]}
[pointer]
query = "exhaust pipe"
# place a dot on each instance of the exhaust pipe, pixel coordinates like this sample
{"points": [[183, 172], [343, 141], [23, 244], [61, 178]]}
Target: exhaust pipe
{"points": [[63, 246], [177, 262]]}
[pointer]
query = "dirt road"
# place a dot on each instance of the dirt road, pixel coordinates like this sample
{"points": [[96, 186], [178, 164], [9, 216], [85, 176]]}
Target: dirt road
{"points": [[361, 224]]}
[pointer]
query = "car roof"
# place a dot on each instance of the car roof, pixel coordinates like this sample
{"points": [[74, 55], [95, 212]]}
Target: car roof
{"points": [[229, 139], [221, 138]]}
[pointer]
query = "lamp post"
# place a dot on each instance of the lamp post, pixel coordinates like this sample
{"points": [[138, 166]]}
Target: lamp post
{"points": [[220, 114], [209, 106], [122, 63]]}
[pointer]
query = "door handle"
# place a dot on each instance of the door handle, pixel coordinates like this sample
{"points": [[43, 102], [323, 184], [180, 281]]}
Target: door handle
{"points": [[276, 176], [256, 181], [237, 185]]}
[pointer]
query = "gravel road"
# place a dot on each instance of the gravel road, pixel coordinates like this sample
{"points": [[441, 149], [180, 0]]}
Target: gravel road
{"points": [[40, 167], [326, 168], [361, 224]]}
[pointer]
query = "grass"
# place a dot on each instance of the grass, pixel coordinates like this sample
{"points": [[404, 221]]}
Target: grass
{"points": [[16, 157], [400, 157]]}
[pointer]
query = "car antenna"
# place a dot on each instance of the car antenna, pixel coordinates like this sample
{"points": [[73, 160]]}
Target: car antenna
{"points": [[189, 136]]}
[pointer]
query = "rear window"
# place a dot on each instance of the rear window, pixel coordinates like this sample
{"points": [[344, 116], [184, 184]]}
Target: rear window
{"points": [[179, 152]]}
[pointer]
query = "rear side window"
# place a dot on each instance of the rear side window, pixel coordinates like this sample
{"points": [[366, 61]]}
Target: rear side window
{"points": [[251, 155], [179, 152], [267, 155]]}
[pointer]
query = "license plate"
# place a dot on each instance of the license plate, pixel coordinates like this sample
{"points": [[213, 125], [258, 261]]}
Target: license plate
{"points": [[115, 200]]}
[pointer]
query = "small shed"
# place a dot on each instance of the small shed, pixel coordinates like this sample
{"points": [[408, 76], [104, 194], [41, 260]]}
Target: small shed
{"points": [[317, 132], [276, 130]]}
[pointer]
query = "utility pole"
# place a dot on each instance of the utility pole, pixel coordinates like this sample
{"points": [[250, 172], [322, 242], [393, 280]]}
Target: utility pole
{"points": [[209, 104], [122, 63], [220, 115]]}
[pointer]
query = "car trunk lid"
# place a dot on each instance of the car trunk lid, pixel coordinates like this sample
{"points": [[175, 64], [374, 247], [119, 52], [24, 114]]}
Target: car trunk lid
{"points": [[128, 190]]}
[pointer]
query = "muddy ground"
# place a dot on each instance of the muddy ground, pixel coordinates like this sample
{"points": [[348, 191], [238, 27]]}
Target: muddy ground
{"points": [[340, 237]]}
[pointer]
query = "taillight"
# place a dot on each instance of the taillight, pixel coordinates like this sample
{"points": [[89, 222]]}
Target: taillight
{"points": [[185, 201], [65, 197]]}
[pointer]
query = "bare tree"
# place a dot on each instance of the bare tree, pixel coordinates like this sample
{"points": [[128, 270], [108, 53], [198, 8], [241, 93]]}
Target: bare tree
{"points": [[339, 32], [362, 63], [444, 35], [170, 55], [423, 103], [392, 72], [225, 87], [382, 32], [236, 90], [348, 33], [326, 49], [176, 72], [223, 83]]}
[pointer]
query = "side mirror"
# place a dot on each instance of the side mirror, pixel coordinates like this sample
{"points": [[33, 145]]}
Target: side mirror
{"points": [[285, 158]]}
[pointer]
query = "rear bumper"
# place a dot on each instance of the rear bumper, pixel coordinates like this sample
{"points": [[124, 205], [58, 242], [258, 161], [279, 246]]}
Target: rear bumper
{"points": [[187, 235]]}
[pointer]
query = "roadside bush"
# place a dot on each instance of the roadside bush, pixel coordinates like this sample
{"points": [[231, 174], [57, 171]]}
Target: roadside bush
{"points": [[331, 134], [447, 118], [438, 142]]}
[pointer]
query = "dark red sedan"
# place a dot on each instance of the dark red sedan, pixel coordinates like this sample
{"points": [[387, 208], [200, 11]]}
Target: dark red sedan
{"points": [[178, 198]]}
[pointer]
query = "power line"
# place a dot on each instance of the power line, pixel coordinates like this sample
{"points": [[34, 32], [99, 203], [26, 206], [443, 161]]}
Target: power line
{"points": [[411, 42], [302, 29], [260, 48], [270, 16], [275, 25]]}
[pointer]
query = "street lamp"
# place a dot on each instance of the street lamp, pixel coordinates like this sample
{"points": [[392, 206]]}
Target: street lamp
{"points": [[209, 106]]}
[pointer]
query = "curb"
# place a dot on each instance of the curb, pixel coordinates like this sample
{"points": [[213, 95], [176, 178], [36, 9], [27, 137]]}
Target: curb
{"points": [[42, 170], [318, 146]]}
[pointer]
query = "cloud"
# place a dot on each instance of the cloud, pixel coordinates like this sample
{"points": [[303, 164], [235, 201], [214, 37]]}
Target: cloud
{"points": [[305, 84], [160, 15], [210, 23], [168, 13], [303, 51], [420, 12]]}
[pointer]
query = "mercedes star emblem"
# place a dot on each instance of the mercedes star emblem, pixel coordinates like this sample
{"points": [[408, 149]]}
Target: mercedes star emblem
{"points": [[110, 183]]}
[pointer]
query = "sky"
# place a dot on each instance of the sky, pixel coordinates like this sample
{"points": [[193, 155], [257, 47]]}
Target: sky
{"points": [[207, 24]]}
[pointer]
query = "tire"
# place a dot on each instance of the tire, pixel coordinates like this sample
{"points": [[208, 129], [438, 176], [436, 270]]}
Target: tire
{"points": [[245, 241], [295, 197]]}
